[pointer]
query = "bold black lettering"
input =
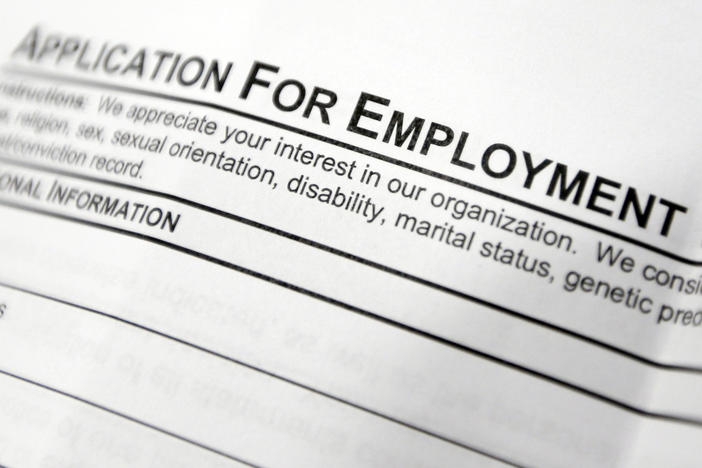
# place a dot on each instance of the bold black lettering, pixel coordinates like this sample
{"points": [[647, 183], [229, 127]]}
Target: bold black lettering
{"points": [[533, 170], [597, 192], [485, 163], [322, 106], [430, 140], [361, 111], [298, 100], [632, 199], [253, 79], [560, 175], [413, 130], [214, 72], [672, 208]]}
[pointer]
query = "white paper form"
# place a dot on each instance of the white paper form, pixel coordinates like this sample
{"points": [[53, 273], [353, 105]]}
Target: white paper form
{"points": [[462, 234]]}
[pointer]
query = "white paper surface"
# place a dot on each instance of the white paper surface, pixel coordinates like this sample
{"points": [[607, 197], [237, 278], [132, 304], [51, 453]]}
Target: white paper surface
{"points": [[516, 284]]}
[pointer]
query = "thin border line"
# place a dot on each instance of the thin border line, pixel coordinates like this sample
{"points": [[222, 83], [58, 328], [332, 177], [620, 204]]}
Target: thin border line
{"points": [[695, 422], [357, 149], [401, 274], [129, 418], [263, 371]]}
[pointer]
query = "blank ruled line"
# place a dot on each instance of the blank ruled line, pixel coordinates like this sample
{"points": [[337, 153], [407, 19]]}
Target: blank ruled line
{"points": [[129, 418], [692, 421], [266, 372], [364, 261], [347, 146]]}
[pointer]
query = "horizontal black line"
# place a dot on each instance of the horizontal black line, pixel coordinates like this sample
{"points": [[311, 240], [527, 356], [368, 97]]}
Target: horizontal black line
{"points": [[266, 372], [371, 315], [129, 418], [364, 261], [355, 149]]}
